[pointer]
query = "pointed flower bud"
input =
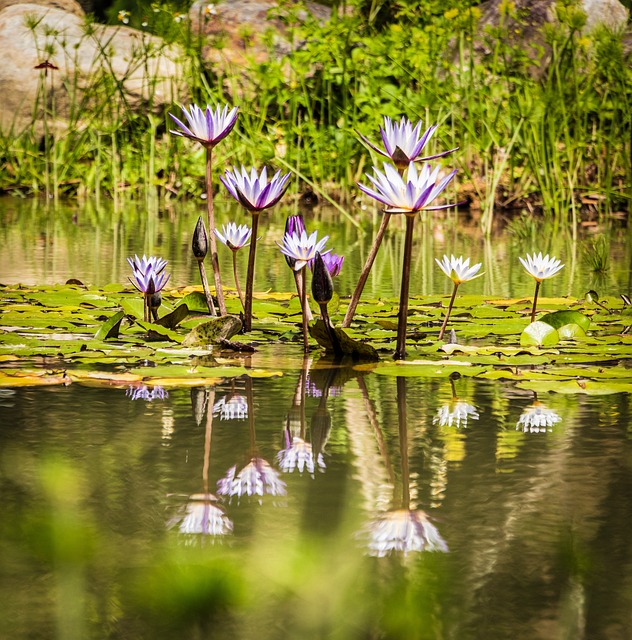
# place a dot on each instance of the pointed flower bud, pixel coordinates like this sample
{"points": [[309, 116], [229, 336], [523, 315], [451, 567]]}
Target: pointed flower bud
{"points": [[200, 240], [322, 284]]}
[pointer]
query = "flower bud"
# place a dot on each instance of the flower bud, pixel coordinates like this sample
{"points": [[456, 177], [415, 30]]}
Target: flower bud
{"points": [[322, 284], [200, 240]]}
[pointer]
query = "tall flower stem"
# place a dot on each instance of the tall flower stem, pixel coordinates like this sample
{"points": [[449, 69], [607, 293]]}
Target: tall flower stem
{"points": [[239, 292], [535, 299], [207, 291], [299, 290], [333, 336], [447, 315], [211, 232], [400, 351], [250, 276], [355, 298], [304, 307]]}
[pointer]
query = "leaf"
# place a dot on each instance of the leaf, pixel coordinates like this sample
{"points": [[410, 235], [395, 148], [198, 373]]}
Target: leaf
{"points": [[539, 334], [558, 319], [570, 332], [134, 307], [212, 331], [195, 301], [357, 350], [110, 328], [173, 319]]}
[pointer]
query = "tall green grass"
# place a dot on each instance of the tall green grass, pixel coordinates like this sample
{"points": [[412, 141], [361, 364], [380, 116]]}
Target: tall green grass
{"points": [[545, 133]]}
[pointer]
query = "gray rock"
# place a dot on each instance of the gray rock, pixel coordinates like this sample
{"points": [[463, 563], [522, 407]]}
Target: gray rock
{"points": [[239, 30], [31, 33]]}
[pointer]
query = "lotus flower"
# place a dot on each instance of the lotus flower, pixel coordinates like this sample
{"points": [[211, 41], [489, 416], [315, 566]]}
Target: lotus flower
{"points": [[302, 247], [299, 455], [403, 143], [254, 191], [233, 236], [333, 263], [148, 277]]}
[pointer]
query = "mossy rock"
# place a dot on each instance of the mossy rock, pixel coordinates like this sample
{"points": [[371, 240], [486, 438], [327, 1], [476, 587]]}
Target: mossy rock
{"points": [[213, 331]]}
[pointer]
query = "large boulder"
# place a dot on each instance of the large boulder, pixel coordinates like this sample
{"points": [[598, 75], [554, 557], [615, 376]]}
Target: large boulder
{"points": [[145, 69], [241, 30]]}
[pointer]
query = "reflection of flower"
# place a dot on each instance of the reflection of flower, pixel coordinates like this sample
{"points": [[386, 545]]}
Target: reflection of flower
{"points": [[147, 393], [416, 193], [299, 456], [404, 530], [204, 516], [537, 418], [257, 477], [235, 408], [455, 412], [540, 267]]}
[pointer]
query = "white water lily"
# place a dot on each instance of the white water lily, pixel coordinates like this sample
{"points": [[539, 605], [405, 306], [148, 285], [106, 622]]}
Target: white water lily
{"points": [[233, 236], [541, 268], [206, 126], [301, 247], [458, 269]]}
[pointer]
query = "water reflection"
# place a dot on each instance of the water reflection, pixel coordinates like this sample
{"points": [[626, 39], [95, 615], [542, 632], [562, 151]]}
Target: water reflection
{"points": [[143, 392], [203, 514], [403, 528], [455, 412], [537, 418], [257, 477], [233, 406]]}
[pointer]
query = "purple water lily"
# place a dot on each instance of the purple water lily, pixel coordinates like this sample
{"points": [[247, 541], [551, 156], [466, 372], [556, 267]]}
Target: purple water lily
{"points": [[253, 190], [404, 143], [332, 261], [207, 127]]}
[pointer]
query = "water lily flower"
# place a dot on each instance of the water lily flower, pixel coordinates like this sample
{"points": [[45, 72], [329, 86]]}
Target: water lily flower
{"points": [[257, 477], [253, 190], [148, 277], [299, 455], [459, 271], [333, 263], [302, 247], [209, 127], [235, 408], [540, 268], [404, 143], [404, 530], [409, 197], [206, 126], [455, 412], [537, 418], [255, 193], [235, 238]]}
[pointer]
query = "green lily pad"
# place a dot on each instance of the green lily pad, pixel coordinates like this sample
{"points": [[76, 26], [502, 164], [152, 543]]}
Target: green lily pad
{"points": [[110, 328], [560, 318], [539, 334], [570, 332]]}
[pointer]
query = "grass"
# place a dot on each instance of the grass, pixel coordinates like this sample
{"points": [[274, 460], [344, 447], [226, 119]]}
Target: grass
{"points": [[529, 133]]}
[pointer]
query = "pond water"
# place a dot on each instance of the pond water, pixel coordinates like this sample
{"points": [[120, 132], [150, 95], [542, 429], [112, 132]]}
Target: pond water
{"points": [[392, 507]]}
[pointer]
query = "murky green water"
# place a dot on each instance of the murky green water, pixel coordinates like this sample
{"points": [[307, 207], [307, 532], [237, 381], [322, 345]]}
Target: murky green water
{"points": [[390, 507], [511, 515]]}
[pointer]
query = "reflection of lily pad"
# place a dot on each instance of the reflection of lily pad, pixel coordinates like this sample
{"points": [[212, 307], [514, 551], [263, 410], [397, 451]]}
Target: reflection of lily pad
{"points": [[539, 334]]}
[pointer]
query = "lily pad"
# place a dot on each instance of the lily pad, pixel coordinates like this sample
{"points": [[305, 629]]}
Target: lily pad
{"points": [[560, 318], [210, 332], [539, 334], [110, 328]]}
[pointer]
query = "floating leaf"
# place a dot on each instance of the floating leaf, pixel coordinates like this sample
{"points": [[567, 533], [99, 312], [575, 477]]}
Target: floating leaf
{"points": [[350, 347], [539, 334], [570, 332], [195, 302], [560, 318], [110, 328], [212, 331], [173, 319]]}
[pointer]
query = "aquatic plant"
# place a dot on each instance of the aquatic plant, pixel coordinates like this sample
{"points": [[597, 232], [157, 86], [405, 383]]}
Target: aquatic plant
{"points": [[209, 127], [302, 248], [296, 224], [409, 197], [256, 194], [403, 145], [235, 238], [459, 271], [540, 269], [148, 277], [199, 246], [322, 292], [332, 261]]}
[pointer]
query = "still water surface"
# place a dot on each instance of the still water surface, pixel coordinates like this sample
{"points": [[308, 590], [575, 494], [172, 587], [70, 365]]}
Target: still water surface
{"points": [[520, 510], [392, 508]]}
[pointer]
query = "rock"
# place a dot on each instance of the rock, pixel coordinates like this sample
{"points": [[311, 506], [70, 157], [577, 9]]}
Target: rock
{"points": [[213, 332], [70, 6], [30, 33], [243, 30]]}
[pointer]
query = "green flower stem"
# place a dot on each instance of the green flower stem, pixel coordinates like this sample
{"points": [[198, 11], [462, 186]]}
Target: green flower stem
{"points": [[355, 298], [207, 290], [297, 280], [448, 312], [400, 351], [304, 307], [239, 292], [250, 275], [211, 233], [535, 299]]}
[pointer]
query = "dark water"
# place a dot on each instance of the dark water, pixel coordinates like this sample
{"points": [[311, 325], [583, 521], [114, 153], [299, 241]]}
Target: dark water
{"points": [[521, 525]]}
